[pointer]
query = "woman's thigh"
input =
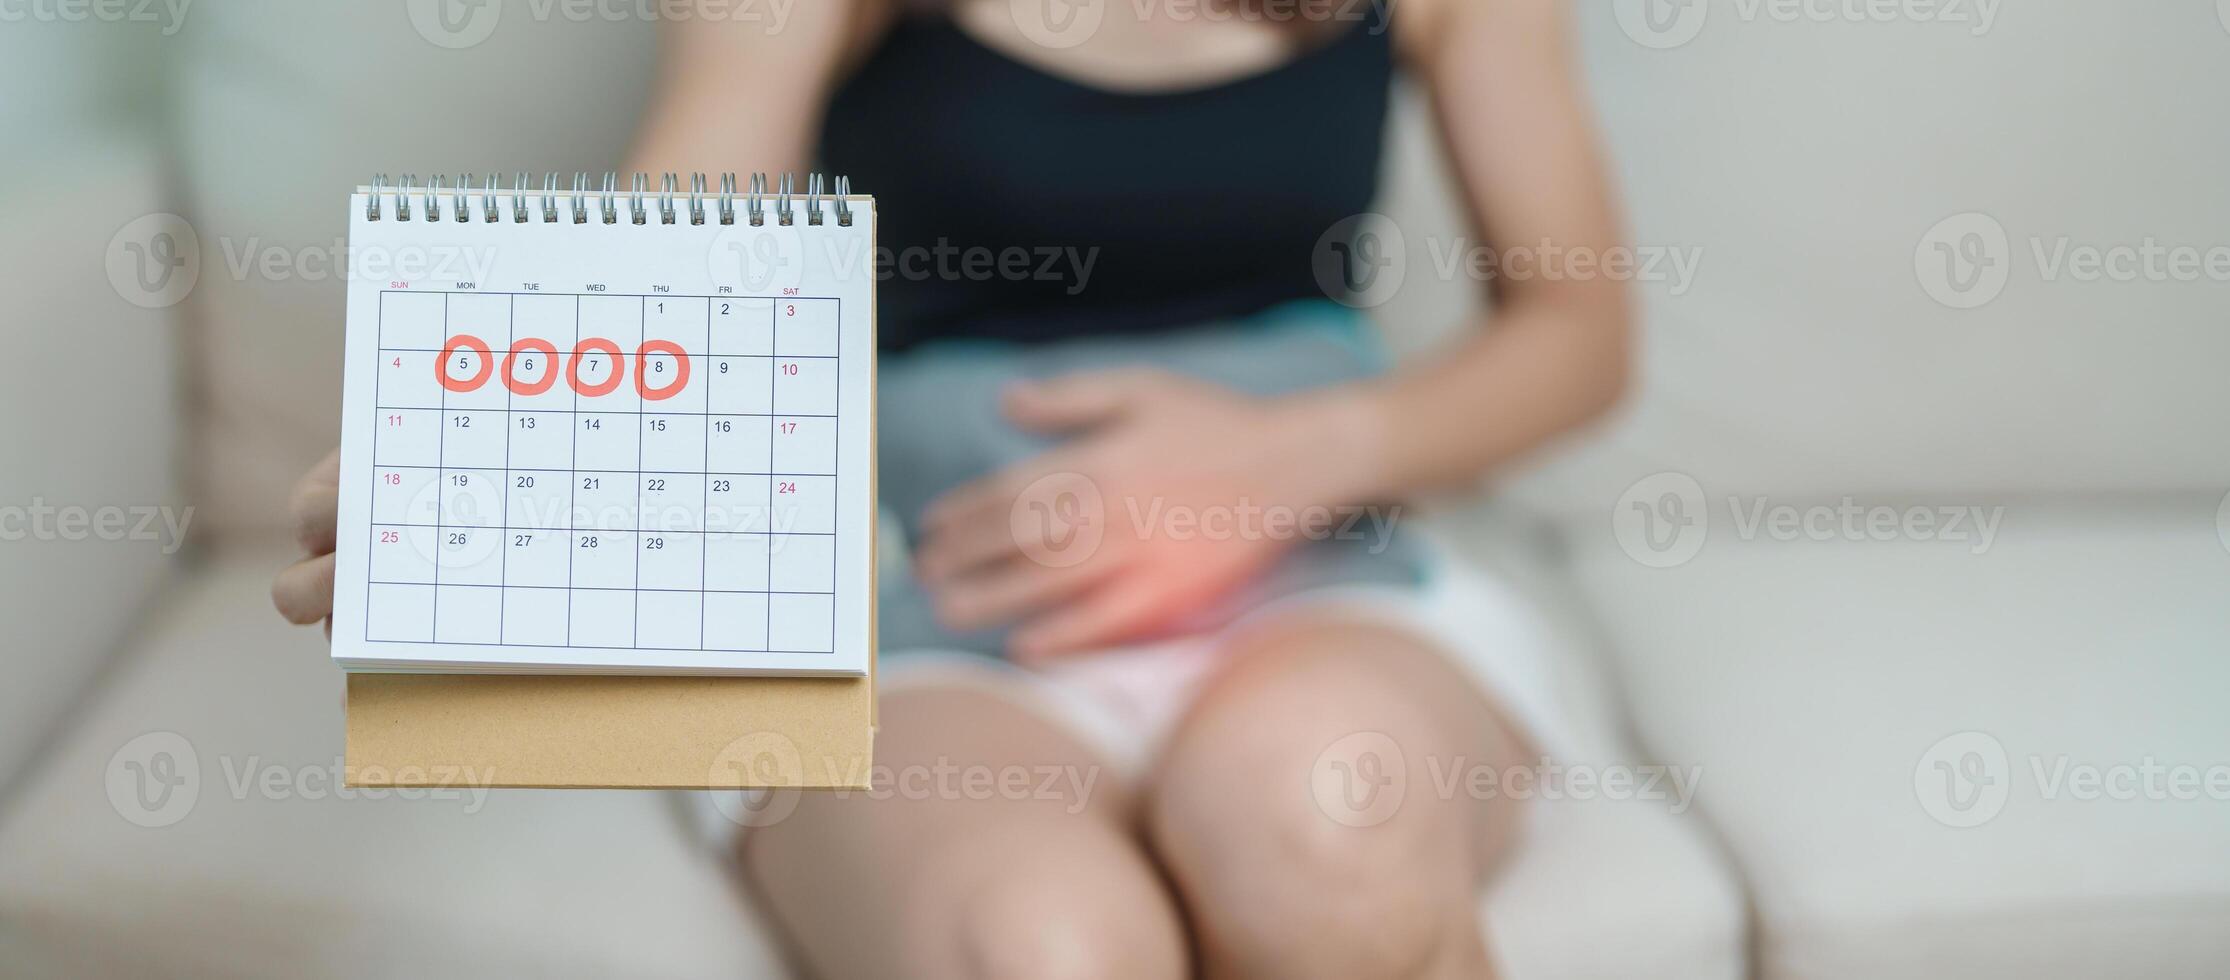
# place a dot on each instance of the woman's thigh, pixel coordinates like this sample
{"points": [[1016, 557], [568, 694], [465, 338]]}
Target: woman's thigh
{"points": [[994, 845], [1311, 807]]}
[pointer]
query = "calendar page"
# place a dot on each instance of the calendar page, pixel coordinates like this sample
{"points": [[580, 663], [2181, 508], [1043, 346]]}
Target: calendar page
{"points": [[607, 433]]}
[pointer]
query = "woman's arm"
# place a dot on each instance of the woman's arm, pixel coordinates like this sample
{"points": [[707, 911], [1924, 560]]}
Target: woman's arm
{"points": [[1521, 143], [744, 96]]}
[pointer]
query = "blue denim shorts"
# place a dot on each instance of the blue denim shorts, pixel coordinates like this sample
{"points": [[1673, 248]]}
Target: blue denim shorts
{"points": [[939, 426]]}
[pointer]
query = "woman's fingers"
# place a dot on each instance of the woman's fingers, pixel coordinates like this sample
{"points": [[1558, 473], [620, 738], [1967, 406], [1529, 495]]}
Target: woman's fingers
{"points": [[315, 514], [1011, 590], [316, 501], [1114, 612], [1079, 400], [304, 590], [971, 502], [974, 523], [960, 547]]}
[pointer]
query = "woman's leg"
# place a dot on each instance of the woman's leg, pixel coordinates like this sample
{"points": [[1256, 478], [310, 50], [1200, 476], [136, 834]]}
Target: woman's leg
{"points": [[929, 882], [1303, 808]]}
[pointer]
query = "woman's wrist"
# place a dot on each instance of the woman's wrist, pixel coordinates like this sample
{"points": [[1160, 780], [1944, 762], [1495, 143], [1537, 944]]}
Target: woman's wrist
{"points": [[1341, 436]]}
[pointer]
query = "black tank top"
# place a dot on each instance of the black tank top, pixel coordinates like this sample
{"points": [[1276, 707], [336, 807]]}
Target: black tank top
{"points": [[996, 182]]}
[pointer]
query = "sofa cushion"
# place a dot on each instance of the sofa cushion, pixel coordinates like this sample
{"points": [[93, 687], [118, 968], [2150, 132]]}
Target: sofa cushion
{"points": [[103, 874], [283, 108], [93, 420], [1916, 753], [1593, 862], [89, 68], [1807, 165], [89, 512], [1587, 870]]}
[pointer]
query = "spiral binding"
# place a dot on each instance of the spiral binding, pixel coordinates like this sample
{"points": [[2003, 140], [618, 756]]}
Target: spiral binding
{"points": [[462, 198]]}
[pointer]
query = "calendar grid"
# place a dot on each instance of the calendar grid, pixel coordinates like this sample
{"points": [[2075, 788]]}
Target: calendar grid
{"points": [[704, 494], [836, 451], [503, 568], [635, 638], [572, 457], [467, 602], [372, 531], [774, 377], [441, 450]]}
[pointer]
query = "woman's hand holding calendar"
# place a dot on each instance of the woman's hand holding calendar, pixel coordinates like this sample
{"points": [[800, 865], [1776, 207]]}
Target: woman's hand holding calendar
{"points": [[1193, 488], [304, 590]]}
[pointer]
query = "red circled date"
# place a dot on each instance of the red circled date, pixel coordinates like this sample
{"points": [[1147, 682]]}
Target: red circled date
{"points": [[650, 358]]}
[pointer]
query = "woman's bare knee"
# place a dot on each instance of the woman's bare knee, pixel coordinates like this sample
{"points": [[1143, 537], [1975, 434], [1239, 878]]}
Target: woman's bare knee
{"points": [[950, 883], [1064, 912], [1299, 812]]}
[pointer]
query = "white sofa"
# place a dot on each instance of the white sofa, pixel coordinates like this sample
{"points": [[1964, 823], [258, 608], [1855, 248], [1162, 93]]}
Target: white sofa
{"points": [[1813, 681]]}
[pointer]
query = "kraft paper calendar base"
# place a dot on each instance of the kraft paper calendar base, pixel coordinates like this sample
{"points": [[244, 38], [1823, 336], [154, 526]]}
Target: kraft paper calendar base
{"points": [[610, 732]]}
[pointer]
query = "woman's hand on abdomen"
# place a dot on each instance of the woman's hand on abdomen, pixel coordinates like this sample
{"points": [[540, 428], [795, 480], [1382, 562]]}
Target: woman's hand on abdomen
{"points": [[1172, 493]]}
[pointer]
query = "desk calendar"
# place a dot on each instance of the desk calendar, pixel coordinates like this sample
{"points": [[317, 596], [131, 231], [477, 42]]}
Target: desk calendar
{"points": [[607, 431]]}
